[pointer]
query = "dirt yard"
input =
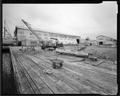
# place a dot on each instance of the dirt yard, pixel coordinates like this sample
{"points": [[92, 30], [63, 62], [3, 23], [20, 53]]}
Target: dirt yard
{"points": [[103, 53], [108, 53]]}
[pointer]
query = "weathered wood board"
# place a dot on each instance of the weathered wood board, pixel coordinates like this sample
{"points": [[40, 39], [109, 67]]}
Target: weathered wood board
{"points": [[73, 78]]}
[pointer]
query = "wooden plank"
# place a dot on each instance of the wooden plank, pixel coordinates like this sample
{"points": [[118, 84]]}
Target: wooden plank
{"points": [[60, 76], [67, 80], [102, 85], [65, 87], [33, 85], [58, 81], [16, 76], [49, 82], [27, 82], [23, 84], [16, 73], [37, 80], [6, 63], [88, 68], [80, 64]]}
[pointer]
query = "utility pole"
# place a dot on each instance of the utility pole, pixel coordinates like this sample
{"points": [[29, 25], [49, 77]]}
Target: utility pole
{"points": [[4, 29]]}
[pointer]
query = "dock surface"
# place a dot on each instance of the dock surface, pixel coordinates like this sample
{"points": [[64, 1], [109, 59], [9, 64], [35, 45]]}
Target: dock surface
{"points": [[76, 77]]}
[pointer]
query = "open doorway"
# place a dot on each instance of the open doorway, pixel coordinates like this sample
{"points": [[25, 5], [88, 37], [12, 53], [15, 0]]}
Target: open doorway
{"points": [[78, 41], [100, 43], [19, 43]]}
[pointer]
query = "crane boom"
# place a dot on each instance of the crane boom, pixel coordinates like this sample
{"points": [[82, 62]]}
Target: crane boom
{"points": [[44, 43], [30, 29]]}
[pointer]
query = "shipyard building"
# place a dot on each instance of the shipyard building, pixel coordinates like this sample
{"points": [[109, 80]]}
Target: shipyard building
{"points": [[106, 41], [25, 37]]}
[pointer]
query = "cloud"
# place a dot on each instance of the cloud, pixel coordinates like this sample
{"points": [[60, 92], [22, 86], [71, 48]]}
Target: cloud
{"points": [[75, 19]]}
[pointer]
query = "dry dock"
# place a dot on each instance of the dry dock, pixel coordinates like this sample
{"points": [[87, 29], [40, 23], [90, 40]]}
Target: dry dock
{"points": [[76, 76]]}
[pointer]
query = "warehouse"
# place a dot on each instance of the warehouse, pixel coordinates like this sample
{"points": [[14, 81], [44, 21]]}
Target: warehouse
{"points": [[23, 34], [105, 40]]}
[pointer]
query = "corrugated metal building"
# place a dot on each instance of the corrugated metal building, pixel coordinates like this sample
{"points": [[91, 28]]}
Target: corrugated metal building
{"points": [[105, 40], [24, 35]]}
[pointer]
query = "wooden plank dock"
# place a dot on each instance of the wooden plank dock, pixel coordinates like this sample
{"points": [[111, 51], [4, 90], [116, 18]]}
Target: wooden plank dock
{"points": [[73, 78]]}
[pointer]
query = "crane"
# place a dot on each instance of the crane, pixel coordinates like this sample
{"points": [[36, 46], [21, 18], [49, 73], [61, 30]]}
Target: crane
{"points": [[8, 39], [6, 30], [30, 29], [44, 44]]}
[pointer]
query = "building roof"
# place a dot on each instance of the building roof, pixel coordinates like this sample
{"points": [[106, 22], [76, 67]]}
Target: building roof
{"points": [[46, 31], [105, 36]]}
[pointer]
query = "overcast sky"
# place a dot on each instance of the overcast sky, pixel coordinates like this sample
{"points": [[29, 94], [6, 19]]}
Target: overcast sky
{"points": [[85, 20]]}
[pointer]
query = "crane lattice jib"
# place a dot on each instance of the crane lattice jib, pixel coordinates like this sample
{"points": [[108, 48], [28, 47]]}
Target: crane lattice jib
{"points": [[28, 25]]}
